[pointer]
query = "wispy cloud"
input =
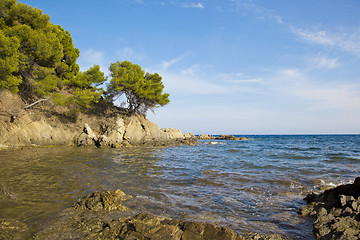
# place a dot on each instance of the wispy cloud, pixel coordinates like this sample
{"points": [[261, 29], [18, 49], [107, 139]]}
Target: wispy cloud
{"points": [[346, 40], [192, 5], [339, 95], [91, 57], [130, 54], [323, 62], [238, 78], [168, 63], [252, 7]]}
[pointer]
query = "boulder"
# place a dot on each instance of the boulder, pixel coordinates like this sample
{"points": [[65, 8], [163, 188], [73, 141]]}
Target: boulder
{"points": [[336, 212], [172, 133], [106, 200]]}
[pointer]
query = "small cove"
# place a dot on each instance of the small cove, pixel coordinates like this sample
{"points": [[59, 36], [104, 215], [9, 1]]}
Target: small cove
{"points": [[253, 185]]}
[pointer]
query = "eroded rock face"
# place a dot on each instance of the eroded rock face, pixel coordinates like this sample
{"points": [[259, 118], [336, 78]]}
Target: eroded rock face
{"points": [[336, 212], [135, 130], [44, 124]]}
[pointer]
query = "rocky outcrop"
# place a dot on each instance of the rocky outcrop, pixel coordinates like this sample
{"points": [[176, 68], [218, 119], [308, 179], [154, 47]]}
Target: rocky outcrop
{"points": [[336, 212], [47, 124], [106, 200], [222, 137], [148, 226], [130, 131], [90, 218]]}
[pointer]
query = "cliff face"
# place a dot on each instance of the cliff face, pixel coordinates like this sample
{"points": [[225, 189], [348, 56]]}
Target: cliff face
{"points": [[40, 126]]}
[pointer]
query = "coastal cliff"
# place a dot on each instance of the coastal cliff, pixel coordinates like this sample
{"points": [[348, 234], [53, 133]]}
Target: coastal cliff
{"points": [[48, 124]]}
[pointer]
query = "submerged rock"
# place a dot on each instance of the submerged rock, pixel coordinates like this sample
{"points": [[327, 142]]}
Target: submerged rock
{"points": [[148, 226], [13, 229], [97, 216], [108, 201], [336, 212]]}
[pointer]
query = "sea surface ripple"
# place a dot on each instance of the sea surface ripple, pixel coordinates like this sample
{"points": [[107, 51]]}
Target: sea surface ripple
{"points": [[255, 185]]}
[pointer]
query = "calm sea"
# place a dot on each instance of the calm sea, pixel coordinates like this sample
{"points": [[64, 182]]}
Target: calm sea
{"points": [[255, 185]]}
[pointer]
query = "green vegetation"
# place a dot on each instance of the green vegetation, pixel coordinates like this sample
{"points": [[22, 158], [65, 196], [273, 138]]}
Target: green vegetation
{"points": [[143, 91], [38, 59]]}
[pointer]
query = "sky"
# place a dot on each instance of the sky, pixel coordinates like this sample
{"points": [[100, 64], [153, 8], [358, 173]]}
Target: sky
{"points": [[230, 66]]}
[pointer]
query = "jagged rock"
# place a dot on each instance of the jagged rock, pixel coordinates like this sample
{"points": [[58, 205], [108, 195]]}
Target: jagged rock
{"points": [[108, 201], [45, 124], [89, 218], [336, 212]]}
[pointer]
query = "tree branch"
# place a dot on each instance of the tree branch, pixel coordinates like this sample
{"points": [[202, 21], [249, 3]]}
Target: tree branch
{"points": [[30, 105]]}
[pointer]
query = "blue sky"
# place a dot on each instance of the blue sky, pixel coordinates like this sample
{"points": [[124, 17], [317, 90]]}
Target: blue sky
{"points": [[231, 66]]}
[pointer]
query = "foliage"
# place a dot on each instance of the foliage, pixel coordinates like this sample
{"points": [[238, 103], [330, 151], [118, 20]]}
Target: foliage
{"points": [[38, 59], [9, 62], [143, 91], [43, 55], [83, 90]]}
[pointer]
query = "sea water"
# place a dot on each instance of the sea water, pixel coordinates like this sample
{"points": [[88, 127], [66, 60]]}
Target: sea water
{"points": [[255, 185]]}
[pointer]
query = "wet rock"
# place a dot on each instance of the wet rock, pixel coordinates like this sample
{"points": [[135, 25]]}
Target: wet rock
{"points": [[108, 201], [256, 236], [336, 212], [100, 223], [222, 137], [13, 229], [148, 226]]}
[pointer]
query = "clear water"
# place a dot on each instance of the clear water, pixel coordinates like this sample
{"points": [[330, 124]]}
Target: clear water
{"points": [[253, 185]]}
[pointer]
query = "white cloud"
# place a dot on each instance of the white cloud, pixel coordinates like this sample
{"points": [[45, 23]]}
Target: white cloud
{"points": [[322, 62], [126, 53], [91, 57], [257, 10], [193, 5], [238, 78], [346, 40], [335, 95], [166, 64]]}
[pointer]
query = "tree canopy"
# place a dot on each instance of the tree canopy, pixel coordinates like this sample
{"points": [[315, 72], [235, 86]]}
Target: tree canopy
{"points": [[143, 91], [38, 59]]}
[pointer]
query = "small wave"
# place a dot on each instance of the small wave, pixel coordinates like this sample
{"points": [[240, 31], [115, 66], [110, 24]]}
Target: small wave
{"points": [[324, 184], [216, 143]]}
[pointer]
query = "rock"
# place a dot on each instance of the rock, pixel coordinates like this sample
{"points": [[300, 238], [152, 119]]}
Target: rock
{"points": [[148, 226], [206, 137], [335, 211], [108, 201], [48, 124], [13, 229], [222, 137], [89, 218], [172, 133]]}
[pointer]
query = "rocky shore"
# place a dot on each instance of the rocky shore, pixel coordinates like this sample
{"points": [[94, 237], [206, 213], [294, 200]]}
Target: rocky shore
{"points": [[221, 137], [48, 124], [104, 215], [336, 212]]}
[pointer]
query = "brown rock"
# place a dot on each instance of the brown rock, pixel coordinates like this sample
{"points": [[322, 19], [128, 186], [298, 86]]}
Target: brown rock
{"points": [[108, 201], [335, 211]]}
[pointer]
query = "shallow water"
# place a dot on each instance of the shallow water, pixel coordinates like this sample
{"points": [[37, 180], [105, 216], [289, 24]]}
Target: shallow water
{"points": [[253, 185]]}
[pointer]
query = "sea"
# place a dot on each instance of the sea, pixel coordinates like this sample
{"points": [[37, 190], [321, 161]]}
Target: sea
{"points": [[253, 185]]}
